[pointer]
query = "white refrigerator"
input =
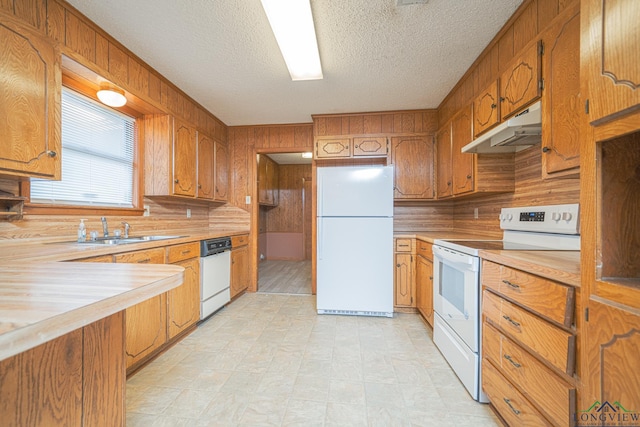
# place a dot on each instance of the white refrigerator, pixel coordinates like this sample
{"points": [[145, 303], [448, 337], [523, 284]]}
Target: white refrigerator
{"points": [[354, 256]]}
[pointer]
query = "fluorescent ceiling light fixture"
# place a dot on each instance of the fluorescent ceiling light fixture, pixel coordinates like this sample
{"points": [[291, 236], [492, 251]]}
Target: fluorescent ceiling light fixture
{"points": [[111, 95], [292, 24], [307, 155]]}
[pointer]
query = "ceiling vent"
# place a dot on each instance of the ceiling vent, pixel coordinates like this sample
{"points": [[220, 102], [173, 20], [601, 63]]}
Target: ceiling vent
{"points": [[410, 2]]}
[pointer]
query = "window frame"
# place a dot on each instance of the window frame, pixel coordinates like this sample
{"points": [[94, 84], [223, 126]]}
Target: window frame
{"points": [[138, 168]]}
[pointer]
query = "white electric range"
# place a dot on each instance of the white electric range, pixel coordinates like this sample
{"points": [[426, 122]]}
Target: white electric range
{"points": [[456, 280]]}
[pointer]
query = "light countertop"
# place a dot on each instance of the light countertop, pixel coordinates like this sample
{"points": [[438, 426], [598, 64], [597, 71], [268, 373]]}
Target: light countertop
{"points": [[43, 301], [562, 266]]}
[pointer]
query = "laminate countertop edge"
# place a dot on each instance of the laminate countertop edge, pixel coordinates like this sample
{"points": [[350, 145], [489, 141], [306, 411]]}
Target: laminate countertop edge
{"points": [[43, 301]]}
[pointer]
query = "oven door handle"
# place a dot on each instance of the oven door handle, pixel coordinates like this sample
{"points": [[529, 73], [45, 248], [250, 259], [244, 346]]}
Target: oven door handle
{"points": [[454, 257]]}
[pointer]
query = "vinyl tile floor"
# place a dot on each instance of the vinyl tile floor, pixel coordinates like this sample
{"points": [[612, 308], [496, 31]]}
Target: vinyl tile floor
{"points": [[270, 360]]}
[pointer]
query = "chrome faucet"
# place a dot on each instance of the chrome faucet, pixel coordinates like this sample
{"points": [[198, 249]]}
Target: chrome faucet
{"points": [[127, 227], [105, 227]]}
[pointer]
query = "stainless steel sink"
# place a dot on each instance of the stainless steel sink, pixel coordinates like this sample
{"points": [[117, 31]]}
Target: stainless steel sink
{"points": [[124, 241]]}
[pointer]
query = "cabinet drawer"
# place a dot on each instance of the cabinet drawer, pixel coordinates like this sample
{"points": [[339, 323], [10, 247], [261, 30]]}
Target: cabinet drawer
{"points": [[545, 297], [512, 405], [550, 342], [178, 253], [237, 241], [403, 245], [152, 256], [424, 249], [541, 385]]}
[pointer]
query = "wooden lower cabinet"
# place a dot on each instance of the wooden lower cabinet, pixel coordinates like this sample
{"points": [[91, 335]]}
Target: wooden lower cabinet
{"points": [[77, 379], [240, 268], [146, 322], [529, 349], [183, 302], [405, 290]]}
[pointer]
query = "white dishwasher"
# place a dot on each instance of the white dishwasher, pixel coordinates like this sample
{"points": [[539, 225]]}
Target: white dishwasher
{"points": [[215, 275]]}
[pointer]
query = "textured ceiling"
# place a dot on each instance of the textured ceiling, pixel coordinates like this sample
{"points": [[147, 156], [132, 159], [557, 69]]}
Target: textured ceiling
{"points": [[376, 56]]}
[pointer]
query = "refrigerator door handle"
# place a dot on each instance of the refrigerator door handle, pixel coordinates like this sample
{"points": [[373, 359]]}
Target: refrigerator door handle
{"points": [[320, 238]]}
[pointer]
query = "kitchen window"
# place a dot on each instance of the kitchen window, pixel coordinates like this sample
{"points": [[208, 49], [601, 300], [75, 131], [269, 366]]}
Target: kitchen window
{"points": [[99, 147]]}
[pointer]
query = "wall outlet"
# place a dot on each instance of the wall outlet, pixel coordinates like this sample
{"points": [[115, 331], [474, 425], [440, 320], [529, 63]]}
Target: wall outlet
{"points": [[188, 213], [475, 213], [146, 211], [247, 200]]}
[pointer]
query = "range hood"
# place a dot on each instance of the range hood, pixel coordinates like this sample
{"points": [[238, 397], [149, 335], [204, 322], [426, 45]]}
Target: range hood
{"points": [[519, 132]]}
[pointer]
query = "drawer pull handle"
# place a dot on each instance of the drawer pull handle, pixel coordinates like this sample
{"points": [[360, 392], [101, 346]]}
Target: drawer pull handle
{"points": [[144, 261], [510, 359], [186, 252], [511, 285], [508, 402], [510, 320], [403, 246]]}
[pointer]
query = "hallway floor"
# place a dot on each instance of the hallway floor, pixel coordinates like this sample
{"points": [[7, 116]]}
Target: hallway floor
{"points": [[284, 277], [270, 360]]}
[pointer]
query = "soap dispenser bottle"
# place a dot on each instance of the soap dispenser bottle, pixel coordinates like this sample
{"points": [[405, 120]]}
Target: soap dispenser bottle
{"points": [[82, 232]]}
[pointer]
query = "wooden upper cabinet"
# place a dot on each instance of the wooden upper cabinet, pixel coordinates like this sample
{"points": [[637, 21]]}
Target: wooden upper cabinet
{"points": [[267, 181], [486, 109], [461, 163], [443, 149], [221, 171], [370, 146], [184, 160], [412, 158], [520, 82], [611, 63], [561, 101], [333, 148], [30, 135], [205, 166]]}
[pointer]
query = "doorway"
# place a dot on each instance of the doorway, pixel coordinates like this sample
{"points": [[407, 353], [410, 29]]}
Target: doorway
{"points": [[284, 223]]}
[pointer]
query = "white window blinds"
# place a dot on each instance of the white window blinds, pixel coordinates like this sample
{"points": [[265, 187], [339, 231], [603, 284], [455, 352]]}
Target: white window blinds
{"points": [[98, 146]]}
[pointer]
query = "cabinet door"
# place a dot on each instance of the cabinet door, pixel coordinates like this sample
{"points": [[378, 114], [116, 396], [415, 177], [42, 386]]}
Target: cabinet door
{"points": [[267, 181], [184, 159], [443, 148], [461, 163], [405, 287], [561, 101], [239, 270], [370, 147], [146, 322], [183, 302], [205, 167], [486, 110], [612, 363], [221, 191], [412, 158], [333, 147], [30, 136], [273, 174], [520, 83], [611, 42], [424, 288]]}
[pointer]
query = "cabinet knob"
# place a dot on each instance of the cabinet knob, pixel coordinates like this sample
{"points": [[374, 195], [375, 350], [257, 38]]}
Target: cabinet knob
{"points": [[493, 106], [51, 153], [501, 99], [398, 265], [448, 183], [468, 176], [199, 185], [176, 180], [356, 146], [545, 149]]}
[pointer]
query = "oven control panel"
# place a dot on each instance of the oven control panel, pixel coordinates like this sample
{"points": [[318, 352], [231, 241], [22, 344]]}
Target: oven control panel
{"points": [[560, 219]]}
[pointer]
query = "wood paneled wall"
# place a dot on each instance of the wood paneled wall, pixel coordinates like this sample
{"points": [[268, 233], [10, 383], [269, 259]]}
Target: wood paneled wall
{"points": [[530, 190], [166, 217], [86, 43], [527, 23], [289, 216], [391, 122]]}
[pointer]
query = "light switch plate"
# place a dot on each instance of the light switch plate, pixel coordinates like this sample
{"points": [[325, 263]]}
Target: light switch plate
{"points": [[188, 213], [247, 200]]}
